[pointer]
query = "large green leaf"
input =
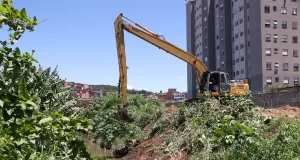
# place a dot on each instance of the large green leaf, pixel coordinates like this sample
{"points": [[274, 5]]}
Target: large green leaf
{"points": [[23, 13], [22, 88]]}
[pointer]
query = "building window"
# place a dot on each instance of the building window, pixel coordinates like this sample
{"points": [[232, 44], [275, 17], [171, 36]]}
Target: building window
{"points": [[242, 71], [267, 23], [296, 67], [295, 53], [286, 80], [237, 73], [268, 65], [276, 68], [241, 33], [283, 10], [294, 25], [241, 46], [267, 9], [294, 11], [269, 80], [284, 38], [295, 39], [275, 38], [275, 24], [274, 8], [284, 24], [276, 79], [275, 50], [236, 36], [284, 52], [285, 66], [296, 81], [242, 59], [268, 51], [268, 37]]}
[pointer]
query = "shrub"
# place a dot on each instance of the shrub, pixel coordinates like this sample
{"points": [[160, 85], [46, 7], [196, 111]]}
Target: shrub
{"points": [[30, 129], [113, 133]]}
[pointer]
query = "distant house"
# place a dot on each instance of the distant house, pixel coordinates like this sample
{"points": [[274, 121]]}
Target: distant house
{"points": [[172, 94], [84, 93]]}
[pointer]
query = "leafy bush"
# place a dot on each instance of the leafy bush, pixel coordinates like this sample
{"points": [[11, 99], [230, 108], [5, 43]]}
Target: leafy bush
{"points": [[284, 145], [113, 133], [30, 129], [207, 128], [53, 93]]}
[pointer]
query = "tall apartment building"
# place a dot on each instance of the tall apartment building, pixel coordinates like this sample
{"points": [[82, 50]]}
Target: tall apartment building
{"points": [[208, 25], [273, 43], [240, 39], [263, 45]]}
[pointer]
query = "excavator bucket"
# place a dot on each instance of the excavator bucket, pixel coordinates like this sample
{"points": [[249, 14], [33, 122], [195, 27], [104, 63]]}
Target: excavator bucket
{"points": [[123, 116]]}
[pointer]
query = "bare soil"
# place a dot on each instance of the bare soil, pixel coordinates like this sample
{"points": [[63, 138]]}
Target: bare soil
{"points": [[288, 111], [151, 149]]}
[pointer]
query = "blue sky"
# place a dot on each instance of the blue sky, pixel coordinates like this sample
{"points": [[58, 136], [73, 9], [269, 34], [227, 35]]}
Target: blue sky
{"points": [[79, 38]]}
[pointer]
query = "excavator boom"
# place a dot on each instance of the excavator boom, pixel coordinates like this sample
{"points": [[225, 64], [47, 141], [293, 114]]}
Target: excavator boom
{"points": [[154, 39]]}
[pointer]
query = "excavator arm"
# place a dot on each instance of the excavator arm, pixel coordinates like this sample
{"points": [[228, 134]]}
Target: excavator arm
{"points": [[156, 40]]}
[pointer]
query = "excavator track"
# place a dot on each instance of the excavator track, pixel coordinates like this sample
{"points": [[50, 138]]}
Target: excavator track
{"points": [[191, 100]]}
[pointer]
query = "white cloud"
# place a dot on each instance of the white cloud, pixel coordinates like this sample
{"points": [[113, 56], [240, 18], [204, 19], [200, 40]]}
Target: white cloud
{"points": [[129, 86], [181, 78]]}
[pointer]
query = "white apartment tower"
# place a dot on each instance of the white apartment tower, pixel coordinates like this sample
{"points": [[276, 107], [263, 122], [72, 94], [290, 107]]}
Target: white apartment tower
{"points": [[254, 39]]}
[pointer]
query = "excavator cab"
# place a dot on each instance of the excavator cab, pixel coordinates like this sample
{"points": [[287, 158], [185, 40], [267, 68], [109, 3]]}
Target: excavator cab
{"points": [[219, 82], [215, 82]]}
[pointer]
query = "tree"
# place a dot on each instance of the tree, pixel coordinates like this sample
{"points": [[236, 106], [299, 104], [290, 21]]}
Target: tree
{"points": [[27, 131]]}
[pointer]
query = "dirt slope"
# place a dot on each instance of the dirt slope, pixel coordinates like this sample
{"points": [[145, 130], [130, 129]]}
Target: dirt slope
{"points": [[151, 149], [289, 111]]}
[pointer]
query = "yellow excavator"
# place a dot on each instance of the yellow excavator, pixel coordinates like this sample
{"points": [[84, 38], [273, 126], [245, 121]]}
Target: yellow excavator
{"points": [[217, 83]]}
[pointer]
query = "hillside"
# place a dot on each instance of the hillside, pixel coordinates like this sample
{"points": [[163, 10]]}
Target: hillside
{"points": [[110, 88]]}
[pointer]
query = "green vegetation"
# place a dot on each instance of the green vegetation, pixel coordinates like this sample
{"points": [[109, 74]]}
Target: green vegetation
{"points": [[210, 129], [113, 133], [36, 120]]}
